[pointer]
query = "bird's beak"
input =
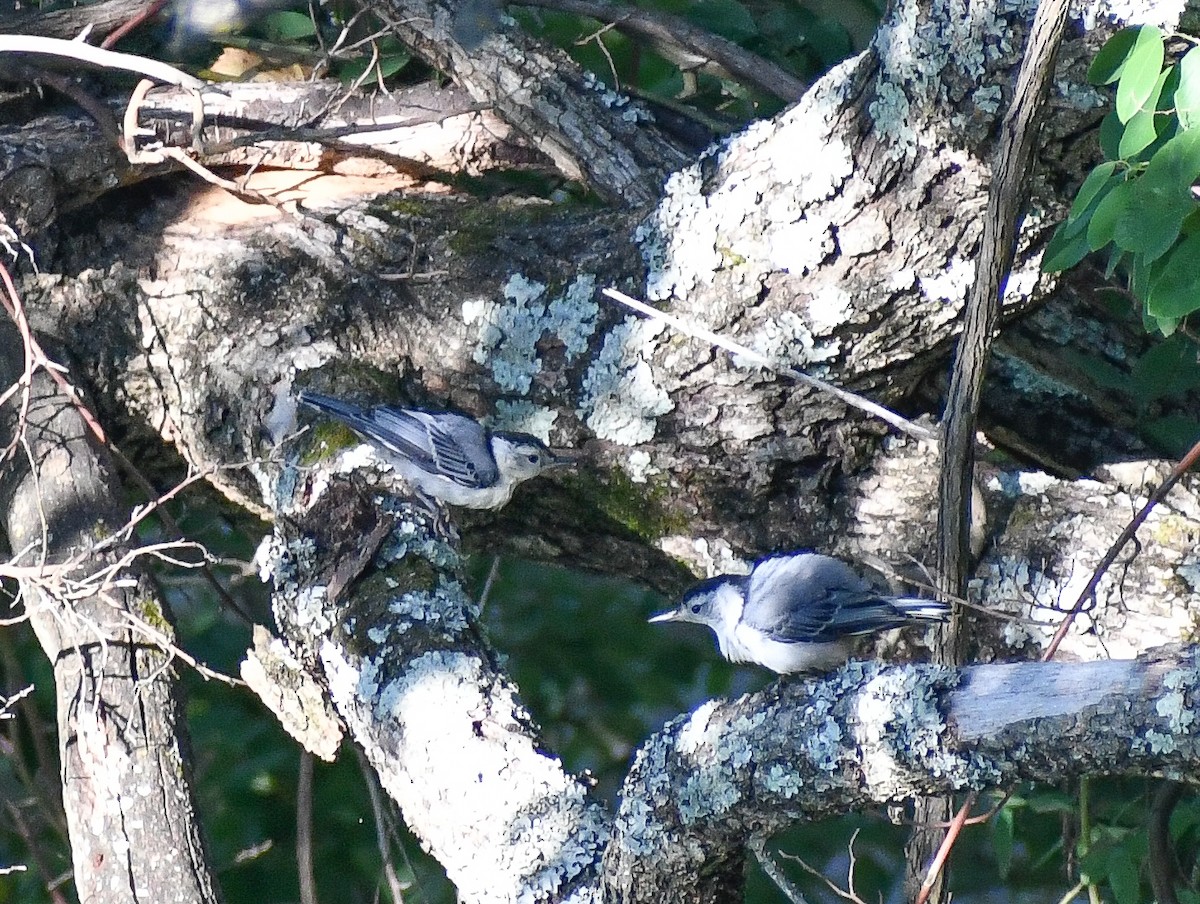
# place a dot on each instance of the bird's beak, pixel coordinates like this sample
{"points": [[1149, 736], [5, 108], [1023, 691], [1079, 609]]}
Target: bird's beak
{"points": [[565, 458], [669, 615]]}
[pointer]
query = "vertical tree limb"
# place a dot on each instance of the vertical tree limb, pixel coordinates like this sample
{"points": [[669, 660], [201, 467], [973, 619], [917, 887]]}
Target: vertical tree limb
{"points": [[132, 820], [1006, 197]]}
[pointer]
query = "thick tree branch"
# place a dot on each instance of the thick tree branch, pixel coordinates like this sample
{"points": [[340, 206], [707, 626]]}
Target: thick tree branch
{"points": [[398, 647], [121, 732], [869, 735], [592, 133]]}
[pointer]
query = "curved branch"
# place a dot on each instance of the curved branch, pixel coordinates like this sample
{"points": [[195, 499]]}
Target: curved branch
{"points": [[393, 636], [870, 735], [685, 45]]}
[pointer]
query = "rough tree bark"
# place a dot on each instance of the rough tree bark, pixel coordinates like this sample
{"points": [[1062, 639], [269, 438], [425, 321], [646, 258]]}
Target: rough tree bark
{"points": [[837, 237], [123, 750]]}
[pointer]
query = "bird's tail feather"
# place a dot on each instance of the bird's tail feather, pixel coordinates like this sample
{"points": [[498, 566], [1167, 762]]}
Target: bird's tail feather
{"points": [[330, 405], [922, 610]]}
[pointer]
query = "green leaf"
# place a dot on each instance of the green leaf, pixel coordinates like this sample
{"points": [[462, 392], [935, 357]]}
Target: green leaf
{"points": [[1138, 135], [1184, 819], [1173, 434], [1049, 801], [1109, 63], [1169, 368], [1067, 247], [1123, 877], [1141, 72], [1139, 277], [288, 26], [1165, 325], [1142, 128], [1187, 95], [1116, 257], [393, 56], [1162, 199], [1097, 180], [1002, 841], [1111, 130], [393, 63], [1109, 210], [1175, 291]]}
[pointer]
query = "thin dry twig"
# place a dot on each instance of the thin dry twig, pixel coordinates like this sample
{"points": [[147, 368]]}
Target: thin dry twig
{"points": [[690, 328], [383, 830], [304, 830], [596, 36], [846, 893], [98, 56], [758, 847]]}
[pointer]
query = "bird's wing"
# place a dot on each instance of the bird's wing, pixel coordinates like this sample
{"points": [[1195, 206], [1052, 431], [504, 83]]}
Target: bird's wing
{"points": [[445, 443], [813, 598]]}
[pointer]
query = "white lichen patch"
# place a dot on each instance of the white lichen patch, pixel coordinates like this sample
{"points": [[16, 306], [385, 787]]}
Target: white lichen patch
{"points": [[772, 175], [679, 240], [1189, 573], [312, 611], [897, 725], [890, 111], [632, 111], [717, 755], [639, 466], [503, 818], [524, 417], [1163, 13], [1173, 706], [798, 246], [439, 609], [1021, 284], [922, 51], [267, 555], [704, 556], [507, 333], [781, 780], [826, 744], [787, 341], [829, 309], [620, 399], [951, 284]]}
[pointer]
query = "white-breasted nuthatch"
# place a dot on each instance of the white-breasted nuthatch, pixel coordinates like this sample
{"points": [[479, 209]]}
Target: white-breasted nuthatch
{"points": [[796, 612], [445, 455]]}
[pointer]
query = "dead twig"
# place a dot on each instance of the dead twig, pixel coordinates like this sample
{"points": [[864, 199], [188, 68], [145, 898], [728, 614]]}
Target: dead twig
{"points": [[689, 328]]}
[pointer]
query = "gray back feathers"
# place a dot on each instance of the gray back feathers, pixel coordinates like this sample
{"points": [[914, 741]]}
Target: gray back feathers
{"points": [[808, 597]]}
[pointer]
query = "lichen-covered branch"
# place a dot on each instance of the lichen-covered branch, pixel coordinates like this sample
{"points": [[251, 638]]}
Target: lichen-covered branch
{"points": [[870, 735], [122, 746], [374, 604], [384, 623]]}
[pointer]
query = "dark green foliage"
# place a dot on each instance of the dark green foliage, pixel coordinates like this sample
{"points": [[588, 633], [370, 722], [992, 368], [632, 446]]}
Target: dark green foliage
{"points": [[1140, 205]]}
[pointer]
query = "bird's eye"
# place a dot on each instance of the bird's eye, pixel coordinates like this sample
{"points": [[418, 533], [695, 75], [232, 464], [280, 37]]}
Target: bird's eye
{"points": [[695, 608], [534, 458]]}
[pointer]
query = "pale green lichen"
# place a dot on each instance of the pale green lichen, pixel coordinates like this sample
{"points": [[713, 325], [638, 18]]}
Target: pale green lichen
{"points": [[507, 334], [620, 400], [524, 417]]}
